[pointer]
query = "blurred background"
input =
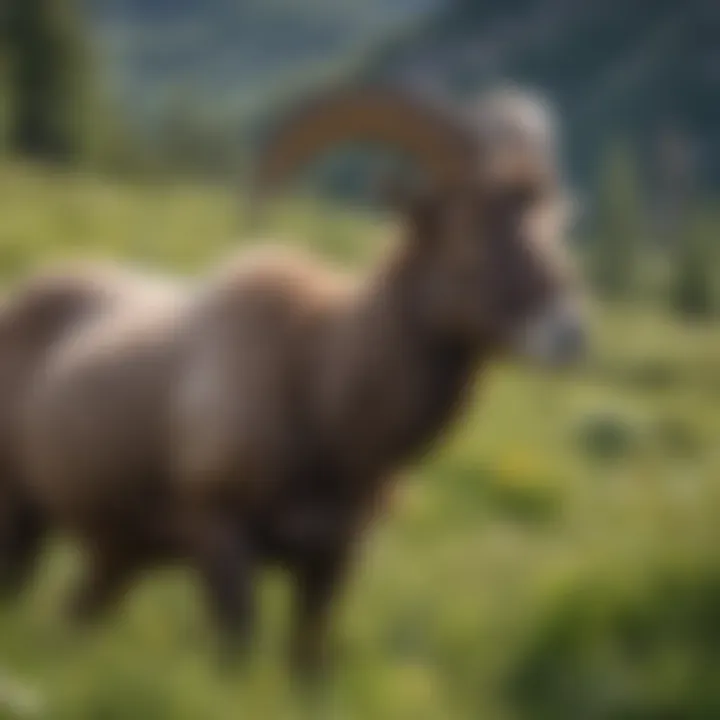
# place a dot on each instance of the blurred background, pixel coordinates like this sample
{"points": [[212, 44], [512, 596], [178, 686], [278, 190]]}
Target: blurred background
{"points": [[558, 558]]}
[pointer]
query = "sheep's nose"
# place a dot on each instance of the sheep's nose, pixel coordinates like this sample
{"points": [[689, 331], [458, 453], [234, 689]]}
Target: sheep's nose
{"points": [[556, 336]]}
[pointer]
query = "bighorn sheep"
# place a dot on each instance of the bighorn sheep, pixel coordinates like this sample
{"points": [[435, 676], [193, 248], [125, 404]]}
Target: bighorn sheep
{"points": [[255, 417]]}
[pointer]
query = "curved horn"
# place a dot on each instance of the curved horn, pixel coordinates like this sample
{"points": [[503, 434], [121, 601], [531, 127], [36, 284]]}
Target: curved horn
{"points": [[381, 115]]}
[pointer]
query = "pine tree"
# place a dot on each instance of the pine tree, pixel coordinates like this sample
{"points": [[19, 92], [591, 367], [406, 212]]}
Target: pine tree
{"points": [[695, 271], [5, 96], [49, 78], [620, 226]]}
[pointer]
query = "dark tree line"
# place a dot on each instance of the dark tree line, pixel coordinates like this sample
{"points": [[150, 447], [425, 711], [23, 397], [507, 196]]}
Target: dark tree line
{"points": [[657, 238], [46, 79]]}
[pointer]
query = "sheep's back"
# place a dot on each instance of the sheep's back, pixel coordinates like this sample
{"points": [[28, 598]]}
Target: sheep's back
{"points": [[88, 427], [34, 317]]}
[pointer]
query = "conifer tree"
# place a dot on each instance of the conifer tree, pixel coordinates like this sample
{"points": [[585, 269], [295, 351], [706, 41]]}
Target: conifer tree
{"points": [[49, 78]]}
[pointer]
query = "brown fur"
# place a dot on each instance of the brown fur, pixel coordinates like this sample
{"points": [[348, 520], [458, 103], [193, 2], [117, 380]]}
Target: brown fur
{"points": [[34, 319], [254, 417]]}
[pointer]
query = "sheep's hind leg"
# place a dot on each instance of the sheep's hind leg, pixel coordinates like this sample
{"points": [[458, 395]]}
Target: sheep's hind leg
{"points": [[318, 578], [224, 563], [22, 531]]}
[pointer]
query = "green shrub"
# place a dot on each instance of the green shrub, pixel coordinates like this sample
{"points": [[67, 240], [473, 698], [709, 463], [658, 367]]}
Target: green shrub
{"points": [[609, 652], [609, 434]]}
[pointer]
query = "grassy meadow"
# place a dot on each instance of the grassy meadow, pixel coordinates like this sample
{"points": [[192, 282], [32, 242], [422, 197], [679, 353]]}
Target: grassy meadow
{"points": [[557, 558]]}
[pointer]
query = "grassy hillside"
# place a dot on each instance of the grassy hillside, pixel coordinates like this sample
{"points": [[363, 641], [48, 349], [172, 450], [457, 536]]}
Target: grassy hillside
{"points": [[557, 558]]}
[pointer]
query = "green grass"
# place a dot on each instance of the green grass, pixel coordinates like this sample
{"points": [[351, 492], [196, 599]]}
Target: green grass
{"points": [[556, 558]]}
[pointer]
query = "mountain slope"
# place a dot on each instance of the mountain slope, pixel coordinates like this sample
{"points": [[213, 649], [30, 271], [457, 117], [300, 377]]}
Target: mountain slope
{"points": [[614, 68], [231, 54]]}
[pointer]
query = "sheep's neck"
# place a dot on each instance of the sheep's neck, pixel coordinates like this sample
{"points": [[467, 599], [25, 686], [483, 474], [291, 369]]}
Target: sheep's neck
{"points": [[404, 380]]}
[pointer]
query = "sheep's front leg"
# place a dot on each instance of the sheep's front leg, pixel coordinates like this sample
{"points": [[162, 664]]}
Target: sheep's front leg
{"points": [[22, 532], [225, 564], [318, 577], [112, 567]]}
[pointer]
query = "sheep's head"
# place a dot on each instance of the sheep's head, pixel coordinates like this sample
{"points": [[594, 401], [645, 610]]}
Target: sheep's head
{"points": [[487, 231]]}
